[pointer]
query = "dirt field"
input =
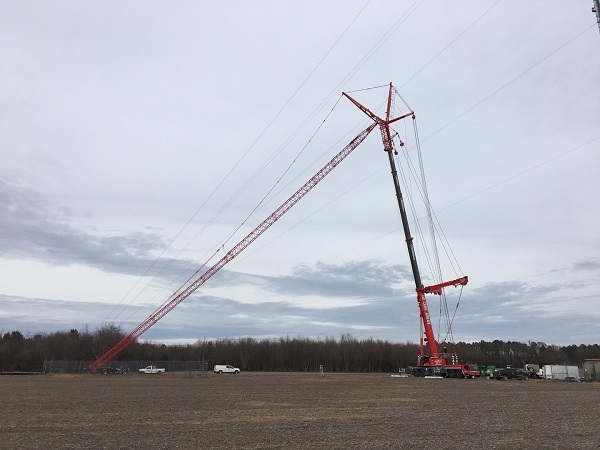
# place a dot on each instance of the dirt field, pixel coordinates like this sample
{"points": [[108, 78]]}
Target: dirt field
{"points": [[266, 410]]}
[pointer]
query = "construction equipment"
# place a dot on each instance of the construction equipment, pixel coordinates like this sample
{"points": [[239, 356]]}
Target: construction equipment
{"points": [[487, 371], [534, 370], [184, 293], [431, 361]]}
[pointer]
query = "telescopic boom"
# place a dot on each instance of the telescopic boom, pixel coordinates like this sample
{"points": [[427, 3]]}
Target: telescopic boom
{"points": [[388, 146]]}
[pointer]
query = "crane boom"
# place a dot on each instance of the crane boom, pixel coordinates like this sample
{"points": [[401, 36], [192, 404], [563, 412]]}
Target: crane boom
{"points": [[166, 307], [435, 362]]}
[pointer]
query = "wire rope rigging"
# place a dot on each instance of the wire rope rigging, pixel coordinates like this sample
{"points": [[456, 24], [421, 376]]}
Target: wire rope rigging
{"points": [[432, 360]]}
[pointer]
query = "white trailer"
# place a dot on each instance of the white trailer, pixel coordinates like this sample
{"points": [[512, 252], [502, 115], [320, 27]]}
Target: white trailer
{"points": [[559, 372]]}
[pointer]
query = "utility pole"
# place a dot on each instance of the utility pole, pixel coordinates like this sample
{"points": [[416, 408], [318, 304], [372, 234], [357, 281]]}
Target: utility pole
{"points": [[596, 9]]}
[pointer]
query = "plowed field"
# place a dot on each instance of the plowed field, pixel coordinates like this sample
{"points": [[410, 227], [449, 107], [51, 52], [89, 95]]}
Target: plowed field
{"points": [[276, 410]]}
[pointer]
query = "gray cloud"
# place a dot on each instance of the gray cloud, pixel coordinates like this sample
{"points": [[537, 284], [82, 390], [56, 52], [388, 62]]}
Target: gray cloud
{"points": [[121, 131], [203, 316], [521, 311], [32, 227], [353, 279], [587, 266], [507, 311]]}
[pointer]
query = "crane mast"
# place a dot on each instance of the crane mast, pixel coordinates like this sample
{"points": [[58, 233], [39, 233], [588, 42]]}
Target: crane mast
{"points": [[171, 303], [434, 359]]}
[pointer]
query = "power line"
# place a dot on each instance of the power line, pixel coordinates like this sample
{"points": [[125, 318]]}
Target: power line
{"points": [[467, 111], [227, 176], [449, 44], [506, 180], [501, 88]]}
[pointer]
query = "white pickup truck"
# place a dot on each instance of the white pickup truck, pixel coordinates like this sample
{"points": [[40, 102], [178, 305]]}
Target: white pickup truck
{"points": [[151, 369], [221, 368]]}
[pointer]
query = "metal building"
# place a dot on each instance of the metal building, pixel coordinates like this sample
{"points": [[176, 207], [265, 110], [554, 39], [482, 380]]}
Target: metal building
{"points": [[591, 369]]}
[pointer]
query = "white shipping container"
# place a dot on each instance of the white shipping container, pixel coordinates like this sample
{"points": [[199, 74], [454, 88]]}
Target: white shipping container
{"points": [[559, 372], [556, 372]]}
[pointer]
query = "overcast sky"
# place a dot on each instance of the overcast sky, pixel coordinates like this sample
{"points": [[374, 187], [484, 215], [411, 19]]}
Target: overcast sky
{"points": [[142, 140]]}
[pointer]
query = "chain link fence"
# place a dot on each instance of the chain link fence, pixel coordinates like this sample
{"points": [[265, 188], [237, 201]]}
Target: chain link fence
{"points": [[64, 366]]}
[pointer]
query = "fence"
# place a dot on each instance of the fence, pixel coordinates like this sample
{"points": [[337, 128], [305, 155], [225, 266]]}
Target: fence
{"points": [[64, 366]]}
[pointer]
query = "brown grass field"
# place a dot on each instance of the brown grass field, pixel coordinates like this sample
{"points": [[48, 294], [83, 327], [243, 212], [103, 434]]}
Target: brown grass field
{"points": [[296, 411]]}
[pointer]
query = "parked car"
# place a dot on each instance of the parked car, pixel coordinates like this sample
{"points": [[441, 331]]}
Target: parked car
{"points": [[222, 368], [114, 371], [152, 369], [510, 373], [571, 379]]}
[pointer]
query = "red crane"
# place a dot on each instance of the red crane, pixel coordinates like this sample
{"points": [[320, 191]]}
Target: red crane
{"points": [[172, 302], [435, 362]]}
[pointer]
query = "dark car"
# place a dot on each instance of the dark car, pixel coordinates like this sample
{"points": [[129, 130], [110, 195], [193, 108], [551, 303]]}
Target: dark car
{"points": [[114, 371], [510, 373]]}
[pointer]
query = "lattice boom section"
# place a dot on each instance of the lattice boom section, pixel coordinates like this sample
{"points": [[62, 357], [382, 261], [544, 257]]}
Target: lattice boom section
{"points": [[231, 254]]}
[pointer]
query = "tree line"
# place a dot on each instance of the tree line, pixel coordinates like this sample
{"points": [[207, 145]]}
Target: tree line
{"points": [[284, 354]]}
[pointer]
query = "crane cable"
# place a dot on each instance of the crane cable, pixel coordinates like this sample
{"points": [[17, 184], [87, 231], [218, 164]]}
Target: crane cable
{"points": [[495, 92], [222, 246], [260, 203], [430, 219], [220, 184], [449, 332], [363, 61], [437, 268], [448, 45], [433, 259]]}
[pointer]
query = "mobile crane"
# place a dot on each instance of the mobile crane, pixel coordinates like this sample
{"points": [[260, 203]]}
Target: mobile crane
{"points": [[431, 361], [434, 363]]}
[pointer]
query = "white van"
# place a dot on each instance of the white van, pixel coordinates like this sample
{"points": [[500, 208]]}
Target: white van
{"points": [[221, 368]]}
